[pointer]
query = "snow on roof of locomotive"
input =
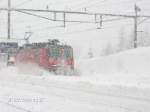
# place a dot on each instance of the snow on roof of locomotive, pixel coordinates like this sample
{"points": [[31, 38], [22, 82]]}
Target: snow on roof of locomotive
{"points": [[50, 43]]}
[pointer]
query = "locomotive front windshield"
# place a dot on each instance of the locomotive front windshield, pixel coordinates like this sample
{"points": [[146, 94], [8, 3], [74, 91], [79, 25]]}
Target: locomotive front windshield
{"points": [[68, 53], [54, 52], [58, 52]]}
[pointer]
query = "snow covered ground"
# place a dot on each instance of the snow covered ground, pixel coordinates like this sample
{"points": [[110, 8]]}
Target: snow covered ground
{"points": [[117, 83], [129, 68]]}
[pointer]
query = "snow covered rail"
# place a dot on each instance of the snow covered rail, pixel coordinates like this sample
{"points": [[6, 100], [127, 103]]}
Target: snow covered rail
{"points": [[78, 95], [96, 101], [86, 90], [15, 107]]}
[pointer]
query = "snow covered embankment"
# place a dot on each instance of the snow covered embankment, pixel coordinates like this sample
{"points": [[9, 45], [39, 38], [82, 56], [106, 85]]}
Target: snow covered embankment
{"points": [[129, 68]]}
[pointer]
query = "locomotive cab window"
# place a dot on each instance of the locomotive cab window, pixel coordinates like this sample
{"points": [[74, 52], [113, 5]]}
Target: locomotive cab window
{"points": [[53, 52], [68, 53]]}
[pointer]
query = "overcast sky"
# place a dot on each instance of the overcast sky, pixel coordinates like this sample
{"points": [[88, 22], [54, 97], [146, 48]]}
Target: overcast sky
{"points": [[80, 36]]}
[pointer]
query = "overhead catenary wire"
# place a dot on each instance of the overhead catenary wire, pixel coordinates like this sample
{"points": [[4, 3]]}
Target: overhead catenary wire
{"points": [[28, 11], [72, 12], [108, 20], [53, 19], [73, 24], [39, 16]]}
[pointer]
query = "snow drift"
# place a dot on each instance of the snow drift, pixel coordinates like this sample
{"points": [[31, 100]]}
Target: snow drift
{"points": [[136, 61], [129, 68]]}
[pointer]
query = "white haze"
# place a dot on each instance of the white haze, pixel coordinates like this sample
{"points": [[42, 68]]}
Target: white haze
{"points": [[80, 36]]}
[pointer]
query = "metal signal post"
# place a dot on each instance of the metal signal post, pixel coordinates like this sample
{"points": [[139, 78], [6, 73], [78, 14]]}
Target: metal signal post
{"points": [[135, 28], [9, 19], [137, 9]]}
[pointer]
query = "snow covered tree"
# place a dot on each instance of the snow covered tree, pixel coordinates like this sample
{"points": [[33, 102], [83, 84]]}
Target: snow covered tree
{"points": [[125, 40], [109, 49], [122, 40]]}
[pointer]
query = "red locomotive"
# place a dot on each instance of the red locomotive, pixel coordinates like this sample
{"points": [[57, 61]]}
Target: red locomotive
{"points": [[49, 55]]}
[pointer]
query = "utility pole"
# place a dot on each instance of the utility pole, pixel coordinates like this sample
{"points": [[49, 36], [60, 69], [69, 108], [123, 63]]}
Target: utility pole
{"points": [[9, 17], [137, 9]]}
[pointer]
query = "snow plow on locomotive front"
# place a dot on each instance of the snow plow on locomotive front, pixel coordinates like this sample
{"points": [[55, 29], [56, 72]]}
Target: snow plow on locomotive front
{"points": [[49, 55]]}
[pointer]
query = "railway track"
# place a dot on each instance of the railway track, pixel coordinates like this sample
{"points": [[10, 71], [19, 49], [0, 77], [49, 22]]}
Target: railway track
{"points": [[78, 96], [78, 92]]}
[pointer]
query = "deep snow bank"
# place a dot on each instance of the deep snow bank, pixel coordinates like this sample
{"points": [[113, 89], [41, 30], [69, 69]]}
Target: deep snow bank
{"points": [[136, 61], [129, 68]]}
